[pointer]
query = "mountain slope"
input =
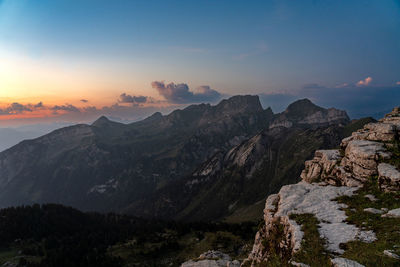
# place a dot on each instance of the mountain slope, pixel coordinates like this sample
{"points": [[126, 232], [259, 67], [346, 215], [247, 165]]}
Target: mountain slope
{"points": [[235, 183], [232, 182], [107, 165]]}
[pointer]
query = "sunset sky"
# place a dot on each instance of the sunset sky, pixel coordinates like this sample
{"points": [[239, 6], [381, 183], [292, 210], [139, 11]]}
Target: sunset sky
{"points": [[76, 60]]}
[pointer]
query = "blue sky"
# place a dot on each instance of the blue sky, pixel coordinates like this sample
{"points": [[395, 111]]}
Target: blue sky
{"points": [[60, 52]]}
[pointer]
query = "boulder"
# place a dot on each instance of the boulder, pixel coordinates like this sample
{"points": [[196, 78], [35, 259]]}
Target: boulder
{"points": [[321, 166], [361, 158]]}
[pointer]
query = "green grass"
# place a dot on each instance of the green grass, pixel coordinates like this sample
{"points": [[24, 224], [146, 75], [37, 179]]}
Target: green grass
{"points": [[394, 148], [354, 125], [184, 248], [8, 255], [387, 230], [312, 250]]}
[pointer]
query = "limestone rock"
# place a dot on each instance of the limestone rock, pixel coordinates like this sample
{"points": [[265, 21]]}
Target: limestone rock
{"points": [[299, 264], [371, 197], [309, 198], [393, 213], [361, 158], [321, 166], [328, 175], [375, 211], [342, 262], [389, 177], [212, 258], [390, 253]]}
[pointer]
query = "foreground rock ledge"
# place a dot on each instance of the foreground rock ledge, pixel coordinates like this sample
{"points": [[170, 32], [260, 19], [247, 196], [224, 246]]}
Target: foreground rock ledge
{"points": [[315, 199], [330, 174]]}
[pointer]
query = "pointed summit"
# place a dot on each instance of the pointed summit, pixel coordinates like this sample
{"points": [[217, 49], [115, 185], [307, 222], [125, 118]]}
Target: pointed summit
{"points": [[101, 121], [306, 113], [302, 108]]}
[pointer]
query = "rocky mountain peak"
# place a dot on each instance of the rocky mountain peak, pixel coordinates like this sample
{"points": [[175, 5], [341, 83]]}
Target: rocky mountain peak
{"points": [[305, 113], [101, 121], [240, 103], [302, 108]]}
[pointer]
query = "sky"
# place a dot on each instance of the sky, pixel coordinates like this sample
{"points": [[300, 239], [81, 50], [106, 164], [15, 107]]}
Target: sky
{"points": [[70, 61]]}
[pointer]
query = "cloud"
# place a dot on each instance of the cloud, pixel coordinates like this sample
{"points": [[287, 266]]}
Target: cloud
{"points": [[124, 98], [17, 108], [39, 105], [84, 100], [366, 82], [180, 94], [66, 107]]}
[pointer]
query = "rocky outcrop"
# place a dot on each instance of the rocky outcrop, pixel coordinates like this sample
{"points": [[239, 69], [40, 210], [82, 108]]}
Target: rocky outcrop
{"points": [[212, 258], [363, 153], [330, 174], [321, 166], [303, 198]]}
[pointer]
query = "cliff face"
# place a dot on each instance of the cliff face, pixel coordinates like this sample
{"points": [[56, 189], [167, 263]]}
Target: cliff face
{"points": [[348, 193]]}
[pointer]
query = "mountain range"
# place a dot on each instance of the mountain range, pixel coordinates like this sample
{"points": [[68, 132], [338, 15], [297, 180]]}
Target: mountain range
{"points": [[201, 163]]}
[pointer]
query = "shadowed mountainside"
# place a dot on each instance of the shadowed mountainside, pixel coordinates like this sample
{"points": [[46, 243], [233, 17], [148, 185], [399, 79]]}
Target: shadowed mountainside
{"points": [[109, 166]]}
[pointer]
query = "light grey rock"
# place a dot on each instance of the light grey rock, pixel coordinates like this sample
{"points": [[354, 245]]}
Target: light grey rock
{"points": [[375, 211], [371, 197], [214, 254], [343, 262], [212, 258], [389, 177], [311, 198], [299, 264], [392, 213], [321, 166], [361, 158], [391, 254]]}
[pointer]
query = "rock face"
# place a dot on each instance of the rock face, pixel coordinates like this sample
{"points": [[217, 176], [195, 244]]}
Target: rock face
{"points": [[389, 177], [333, 173], [212, 258], [363, 153]]}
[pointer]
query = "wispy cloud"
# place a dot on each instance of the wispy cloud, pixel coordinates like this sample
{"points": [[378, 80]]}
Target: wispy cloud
{"points": [[257, 50], [190, 50]]}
